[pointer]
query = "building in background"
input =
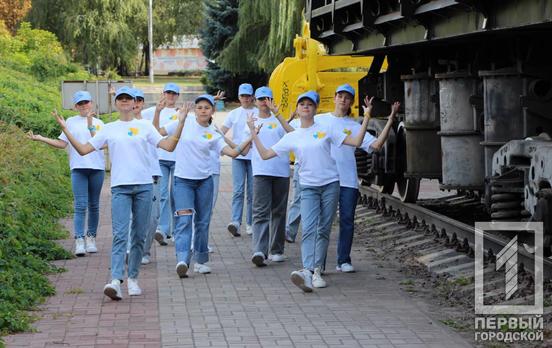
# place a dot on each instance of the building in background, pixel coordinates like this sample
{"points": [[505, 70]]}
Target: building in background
{"points": [[184, 55]]}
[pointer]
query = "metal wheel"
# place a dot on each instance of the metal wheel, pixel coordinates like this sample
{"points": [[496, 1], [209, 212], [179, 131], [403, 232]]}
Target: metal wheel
{"points": [[408, 189]]}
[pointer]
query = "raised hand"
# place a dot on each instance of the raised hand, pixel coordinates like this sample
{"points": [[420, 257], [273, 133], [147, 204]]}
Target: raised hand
{"points": [[272, 106], [59, 119], [161, 104], [367, 107], [184, 111], [258, 128], [220, 95], [394, 109], [251, 122], [32, 136], [292, 116]]}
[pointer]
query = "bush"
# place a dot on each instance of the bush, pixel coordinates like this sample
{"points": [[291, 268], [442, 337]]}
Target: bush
{"points": [[37, 52], [34, 194], [35, 189]]}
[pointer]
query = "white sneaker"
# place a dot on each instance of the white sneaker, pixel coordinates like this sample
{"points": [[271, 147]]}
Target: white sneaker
{"points": [[79, 247], [249, 230], [258, 259], [91, 245], [302, 279], [113, 290], [210, 249], [202, 268], [317, 280], [146, 260], [182, 269], [277, 258], [160, 238], [345, 268], [133, 287]]}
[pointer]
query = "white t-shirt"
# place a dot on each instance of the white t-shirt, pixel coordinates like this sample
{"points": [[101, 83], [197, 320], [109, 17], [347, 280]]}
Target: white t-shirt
{"points": [[312, 147], [78, 127], [215, 158], [271, 132], [128, 143], [345, 155], [165, 116], [215, 162], [237, 121], [193, 151], [153, 156]]}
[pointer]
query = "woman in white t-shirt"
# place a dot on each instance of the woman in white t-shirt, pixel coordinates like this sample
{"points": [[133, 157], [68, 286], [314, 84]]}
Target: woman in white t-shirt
{"points": [[131, 183], [87, 172], [194, 183], [346, 166], [156, 174], [319, 179], [270, 185]]}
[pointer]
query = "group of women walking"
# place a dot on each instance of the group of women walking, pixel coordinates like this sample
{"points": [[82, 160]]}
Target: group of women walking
{"points": [[165, 168]]}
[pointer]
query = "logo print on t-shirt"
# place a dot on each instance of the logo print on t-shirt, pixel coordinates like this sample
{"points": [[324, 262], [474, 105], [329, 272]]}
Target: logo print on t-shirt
{"points": [[173, 117], [97, 127], [133, 131], [207, 135], [319, 135], [272, 125], [347, 131]]}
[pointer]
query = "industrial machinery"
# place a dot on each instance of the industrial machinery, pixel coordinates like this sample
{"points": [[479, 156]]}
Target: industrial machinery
{"points": [[475, 80]]}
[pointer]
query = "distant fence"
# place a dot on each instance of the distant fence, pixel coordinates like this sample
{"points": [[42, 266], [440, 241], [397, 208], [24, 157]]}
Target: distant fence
{"points": [[98, 89]]}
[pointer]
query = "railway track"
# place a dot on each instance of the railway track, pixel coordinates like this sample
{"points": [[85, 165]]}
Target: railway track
{"points": [[444, 245]]}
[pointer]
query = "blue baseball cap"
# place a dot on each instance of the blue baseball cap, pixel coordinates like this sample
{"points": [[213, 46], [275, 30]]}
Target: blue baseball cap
{"points": [[138, 93], [81, 96], [263, 92], [171, 87], [125, 90], [206, 97], [245, 89], [346, 88], [312, 95]]}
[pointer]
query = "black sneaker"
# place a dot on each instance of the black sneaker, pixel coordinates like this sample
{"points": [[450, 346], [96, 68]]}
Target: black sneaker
{"points": [[233, 229], [258, 259]]}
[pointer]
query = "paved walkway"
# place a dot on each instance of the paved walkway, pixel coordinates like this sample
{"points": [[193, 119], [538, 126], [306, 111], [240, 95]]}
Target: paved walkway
{"points": [[238, 305]]}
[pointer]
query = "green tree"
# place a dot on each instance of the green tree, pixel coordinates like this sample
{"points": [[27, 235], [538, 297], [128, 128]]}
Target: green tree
{"points": [[49, 15], [264, 39], [102, 32], [109, 33], [220, 18]]}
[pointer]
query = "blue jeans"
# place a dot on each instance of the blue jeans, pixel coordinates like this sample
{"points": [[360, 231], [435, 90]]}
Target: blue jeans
{"points": [[127, 199], [242, 172], [294, 213], [154, 218], [166, 203], [87, 186], [194, 199], [348, 198], [318, 206]]}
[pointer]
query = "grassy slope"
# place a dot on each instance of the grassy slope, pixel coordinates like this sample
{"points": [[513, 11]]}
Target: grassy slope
{"points": [[35, 192]]}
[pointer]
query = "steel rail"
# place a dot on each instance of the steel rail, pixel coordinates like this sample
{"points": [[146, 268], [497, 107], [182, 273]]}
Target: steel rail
{"points": [[452, 228]]}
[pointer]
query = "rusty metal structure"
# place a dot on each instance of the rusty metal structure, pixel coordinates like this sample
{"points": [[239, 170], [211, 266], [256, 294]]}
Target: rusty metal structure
{"points": [[475, 81]]}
